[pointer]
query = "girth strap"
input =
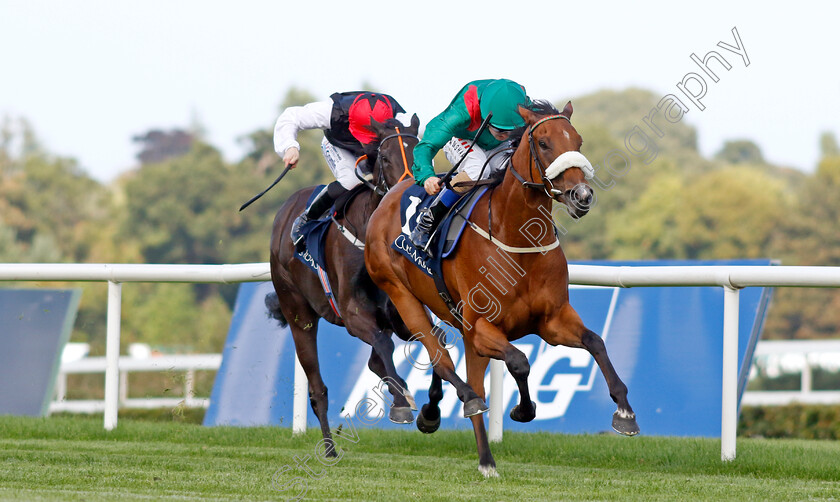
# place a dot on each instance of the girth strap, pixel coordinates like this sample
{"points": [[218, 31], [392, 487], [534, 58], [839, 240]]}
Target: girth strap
{"points": [[349, 235], [514, 249]]}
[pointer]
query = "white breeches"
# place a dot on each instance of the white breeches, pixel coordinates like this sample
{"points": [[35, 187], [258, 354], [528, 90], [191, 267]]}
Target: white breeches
{"points": [[342, 164], [475, 160]]}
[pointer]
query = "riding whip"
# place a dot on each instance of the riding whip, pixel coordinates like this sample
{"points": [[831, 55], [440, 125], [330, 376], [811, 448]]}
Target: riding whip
{"points": [[445, 179], [267, 189]]}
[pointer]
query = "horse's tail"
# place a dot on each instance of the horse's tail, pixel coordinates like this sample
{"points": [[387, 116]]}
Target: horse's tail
{"points": [[272, 303]]}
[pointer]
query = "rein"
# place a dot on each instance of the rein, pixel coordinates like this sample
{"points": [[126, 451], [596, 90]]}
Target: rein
{"points": [[406, 167], [381, 187]]}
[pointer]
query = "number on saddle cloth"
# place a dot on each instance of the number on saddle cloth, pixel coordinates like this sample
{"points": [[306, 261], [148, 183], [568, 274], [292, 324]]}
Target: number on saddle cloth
{"points": [[452, 226]]}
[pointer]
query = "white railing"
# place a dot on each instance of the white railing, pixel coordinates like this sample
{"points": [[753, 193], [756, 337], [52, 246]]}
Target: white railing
{"points": [[181, 363], [731, 278], [789, 356], [115, 275]]}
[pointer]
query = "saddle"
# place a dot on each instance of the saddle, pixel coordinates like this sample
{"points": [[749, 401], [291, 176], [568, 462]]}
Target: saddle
{"points": [[315, 237], [446, 238], [448, 234]]}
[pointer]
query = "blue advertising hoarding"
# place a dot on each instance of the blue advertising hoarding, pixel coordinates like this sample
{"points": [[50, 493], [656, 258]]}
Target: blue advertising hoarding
{"points": [[665, 343], [34, 326]]}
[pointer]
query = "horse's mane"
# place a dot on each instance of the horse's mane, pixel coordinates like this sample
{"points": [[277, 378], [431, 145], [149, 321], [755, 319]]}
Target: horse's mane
{"points": [[542, 107]]}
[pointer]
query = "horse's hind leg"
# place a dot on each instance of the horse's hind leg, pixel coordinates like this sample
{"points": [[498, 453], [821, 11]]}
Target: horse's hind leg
{"points": [[306, 347], [476, 369], [567, 329]]}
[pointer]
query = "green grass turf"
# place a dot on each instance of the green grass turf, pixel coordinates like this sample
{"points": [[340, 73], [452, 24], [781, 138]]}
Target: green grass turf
{"points": [[72, 458]]}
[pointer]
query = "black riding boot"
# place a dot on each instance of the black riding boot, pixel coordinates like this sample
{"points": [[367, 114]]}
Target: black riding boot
{"points": [[315, 210], [427, 222]]}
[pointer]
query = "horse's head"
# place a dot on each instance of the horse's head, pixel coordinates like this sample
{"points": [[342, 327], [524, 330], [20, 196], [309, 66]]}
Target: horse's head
{"points": [[394, 153], [555, 158]]}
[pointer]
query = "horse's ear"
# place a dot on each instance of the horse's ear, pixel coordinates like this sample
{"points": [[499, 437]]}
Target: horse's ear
{"points": [[415, 123], [567, 110]]}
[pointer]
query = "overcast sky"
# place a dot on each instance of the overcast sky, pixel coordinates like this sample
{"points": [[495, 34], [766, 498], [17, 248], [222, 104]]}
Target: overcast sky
{"points": [[90, 75]]}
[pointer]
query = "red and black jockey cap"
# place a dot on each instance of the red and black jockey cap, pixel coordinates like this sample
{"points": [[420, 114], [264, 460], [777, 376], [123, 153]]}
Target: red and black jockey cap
{"points": [[366, 106]]}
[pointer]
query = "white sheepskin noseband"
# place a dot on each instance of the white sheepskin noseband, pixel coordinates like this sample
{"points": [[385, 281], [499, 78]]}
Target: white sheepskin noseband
{"points": [[567, 160]]}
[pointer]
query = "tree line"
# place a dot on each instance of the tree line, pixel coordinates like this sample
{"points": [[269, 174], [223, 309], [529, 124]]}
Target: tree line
{"points": [[180, 205]]}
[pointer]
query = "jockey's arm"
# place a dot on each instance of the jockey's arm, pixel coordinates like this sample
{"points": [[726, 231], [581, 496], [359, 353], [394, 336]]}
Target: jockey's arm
{"points": [[295, 119], [438, 132]]}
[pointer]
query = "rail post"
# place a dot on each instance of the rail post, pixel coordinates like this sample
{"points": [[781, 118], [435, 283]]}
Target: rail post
{"points": [[301, 391], [729, 392], [112, 355], [497, 401]]}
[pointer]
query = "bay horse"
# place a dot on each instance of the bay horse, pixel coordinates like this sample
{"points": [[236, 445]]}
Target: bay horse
{"points": [[300, 300], [534, 300]]}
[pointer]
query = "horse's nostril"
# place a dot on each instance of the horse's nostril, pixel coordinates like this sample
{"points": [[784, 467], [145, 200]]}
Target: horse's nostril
{"points": [[582, 195]]}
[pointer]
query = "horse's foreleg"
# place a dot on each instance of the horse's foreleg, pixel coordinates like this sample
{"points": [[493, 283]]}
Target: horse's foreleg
{"points": [[362, 323], [624, 419], [567, 329], [489, 341], [414, 316], [382, 364]]}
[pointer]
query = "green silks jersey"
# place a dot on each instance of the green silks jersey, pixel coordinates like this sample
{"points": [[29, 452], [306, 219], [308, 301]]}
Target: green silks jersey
{"points": [[461, 119]]}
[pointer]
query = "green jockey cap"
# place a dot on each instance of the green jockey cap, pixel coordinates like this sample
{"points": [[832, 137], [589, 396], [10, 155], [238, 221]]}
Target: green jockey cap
{"points": [[502, 97]]}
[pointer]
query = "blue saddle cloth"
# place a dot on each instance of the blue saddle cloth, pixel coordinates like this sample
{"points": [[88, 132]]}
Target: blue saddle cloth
{"points": [[449, 230], [314, 236]]}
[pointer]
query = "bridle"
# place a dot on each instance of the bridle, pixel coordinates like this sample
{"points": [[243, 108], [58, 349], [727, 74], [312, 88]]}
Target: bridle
{"points": [[381, 186], [546, 181]]}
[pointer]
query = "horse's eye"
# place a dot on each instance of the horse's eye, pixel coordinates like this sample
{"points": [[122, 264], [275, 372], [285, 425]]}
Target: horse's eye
{"points": [[543, 144]]}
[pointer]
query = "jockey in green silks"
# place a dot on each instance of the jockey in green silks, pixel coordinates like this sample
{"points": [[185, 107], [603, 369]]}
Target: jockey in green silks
{"points": [[453, 130]]}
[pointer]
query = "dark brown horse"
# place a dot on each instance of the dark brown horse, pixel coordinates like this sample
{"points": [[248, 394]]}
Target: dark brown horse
{"points": [[301, 300], [532, 298]]}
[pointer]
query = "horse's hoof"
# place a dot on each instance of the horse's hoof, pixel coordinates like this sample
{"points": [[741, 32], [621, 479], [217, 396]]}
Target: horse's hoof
{"points": [[625, 423], [475, 406], [411, 402], [425, 425], [401, 415], [330, 449], [488, 471], [522, 414]]}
